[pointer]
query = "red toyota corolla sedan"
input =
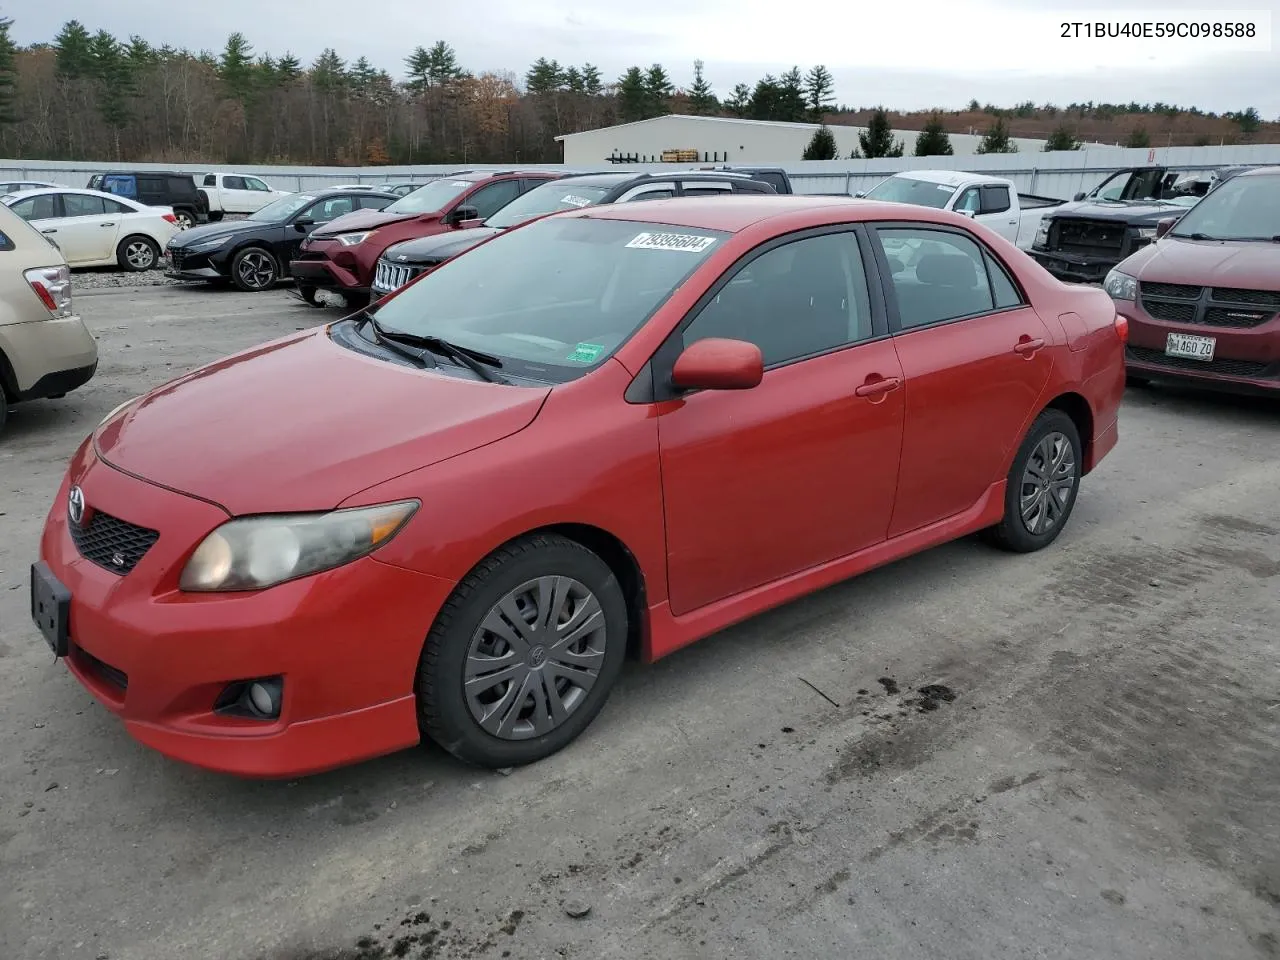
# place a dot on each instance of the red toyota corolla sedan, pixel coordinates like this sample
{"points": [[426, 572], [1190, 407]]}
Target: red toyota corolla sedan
{"points": [[609, 432]]}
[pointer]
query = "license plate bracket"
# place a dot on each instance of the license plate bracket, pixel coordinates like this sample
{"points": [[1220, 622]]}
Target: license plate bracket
{"points": [[51, 608], [1190, 347]]}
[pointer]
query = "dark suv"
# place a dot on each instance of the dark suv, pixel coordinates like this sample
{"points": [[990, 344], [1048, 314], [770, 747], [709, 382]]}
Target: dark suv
{"points": [[404, 261], [156, 188]]}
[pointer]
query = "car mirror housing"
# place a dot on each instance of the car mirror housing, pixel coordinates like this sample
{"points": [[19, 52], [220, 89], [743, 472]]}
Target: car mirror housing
{"points": [[464, 213], [718, 364], [1164, 226], [1079, 196], [303, 223]]}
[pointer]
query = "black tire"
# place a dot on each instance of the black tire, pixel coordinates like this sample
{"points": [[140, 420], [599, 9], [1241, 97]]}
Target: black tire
{"points": [[186, 219], [443, 709], [254, 269], [4, 404], [1133, 380], [308, 294], [355, 301], [1013, 533], [216, 215], [137, 254]]}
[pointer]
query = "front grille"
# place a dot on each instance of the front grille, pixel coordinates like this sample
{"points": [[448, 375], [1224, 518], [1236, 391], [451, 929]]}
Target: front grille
{"points": [[1174, 291], [112, 543], [1099, 238], [1229, 317], [1230, 368], [1254, 298], [1173, 312], [393, 276], [177, 258], [105, 671]]}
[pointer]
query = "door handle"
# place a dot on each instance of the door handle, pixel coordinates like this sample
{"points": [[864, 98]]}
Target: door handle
{"points": [[111, 224], [878, 388], [50, 230], [1027, 346]]}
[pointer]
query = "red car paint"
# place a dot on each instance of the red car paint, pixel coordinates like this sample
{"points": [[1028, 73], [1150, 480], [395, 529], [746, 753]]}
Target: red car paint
{"points": [[828, 467], [326, 264], [1227, 290]]}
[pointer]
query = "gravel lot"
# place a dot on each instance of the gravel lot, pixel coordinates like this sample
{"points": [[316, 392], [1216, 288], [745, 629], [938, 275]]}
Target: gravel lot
{"points": [[1097, 778]]}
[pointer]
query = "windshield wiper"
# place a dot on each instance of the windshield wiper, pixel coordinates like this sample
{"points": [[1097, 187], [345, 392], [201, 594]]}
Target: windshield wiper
{"points": [[476, 361], [420, 357]]}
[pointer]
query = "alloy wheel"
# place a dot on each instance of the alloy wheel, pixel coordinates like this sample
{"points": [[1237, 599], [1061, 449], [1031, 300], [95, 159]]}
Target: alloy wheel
{"points": [[534, 658], [256, 270], [185, 220], [140, 254], [1048, 483]]}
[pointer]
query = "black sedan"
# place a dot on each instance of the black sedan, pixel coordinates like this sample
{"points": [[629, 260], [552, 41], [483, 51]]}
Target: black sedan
{"points": [[404, 261], [255, 252]]}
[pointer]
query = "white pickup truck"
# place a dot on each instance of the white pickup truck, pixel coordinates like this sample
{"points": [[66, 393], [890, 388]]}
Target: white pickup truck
{"points": [[235, 193], [992, 201]]}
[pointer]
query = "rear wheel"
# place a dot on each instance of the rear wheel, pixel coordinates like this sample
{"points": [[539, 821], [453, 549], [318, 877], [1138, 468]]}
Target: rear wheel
{"points": [[215, 215], [355, 301], [1132, 380], [522, 657], [137, 253], [4, 406], [1042, 485], [308, 294], [254, 269], [186, 219]]}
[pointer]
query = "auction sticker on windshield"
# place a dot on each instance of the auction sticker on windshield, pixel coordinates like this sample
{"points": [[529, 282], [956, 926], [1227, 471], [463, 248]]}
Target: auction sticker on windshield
{"points": [[586, 353], [576, 201], [686, 242]]}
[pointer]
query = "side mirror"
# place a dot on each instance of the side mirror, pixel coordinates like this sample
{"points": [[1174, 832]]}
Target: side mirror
{"points": [[718, 364], [860, 193], [1078, 197], [967, 213], [1164, 226], [303, 224], [460, 214]]}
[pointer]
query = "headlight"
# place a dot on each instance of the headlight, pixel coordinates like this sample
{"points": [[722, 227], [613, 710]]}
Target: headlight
{"points": [[116, 410], [351, 239], [211, 244], [253, 553], [1147, 233], [1120, 286], [1042, 234]]}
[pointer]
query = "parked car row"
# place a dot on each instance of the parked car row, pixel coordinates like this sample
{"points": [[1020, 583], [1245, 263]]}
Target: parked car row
{"points": [[95, 229]]}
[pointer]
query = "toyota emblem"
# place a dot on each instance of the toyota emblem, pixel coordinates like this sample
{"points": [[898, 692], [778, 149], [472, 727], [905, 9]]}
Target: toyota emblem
{"points": [[75, 505]]}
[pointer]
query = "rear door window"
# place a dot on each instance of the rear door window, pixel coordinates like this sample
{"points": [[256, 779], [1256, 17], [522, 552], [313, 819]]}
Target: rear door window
{"points": [[78, 205], [210, 180]]}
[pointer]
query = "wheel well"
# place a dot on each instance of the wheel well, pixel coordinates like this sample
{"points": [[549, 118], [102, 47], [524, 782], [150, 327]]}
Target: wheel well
{"points": [[7, 378], [624, 566], [1077, 408]]}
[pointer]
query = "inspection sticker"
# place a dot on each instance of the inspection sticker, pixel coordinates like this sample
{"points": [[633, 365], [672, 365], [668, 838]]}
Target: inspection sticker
{"points": [[576, 201], [586, 353], [945, 186], [671, 241]]}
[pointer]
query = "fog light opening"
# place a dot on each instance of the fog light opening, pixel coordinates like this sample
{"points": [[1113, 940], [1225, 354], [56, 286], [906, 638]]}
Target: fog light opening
{"points": [[264, 698], [260, 699]]}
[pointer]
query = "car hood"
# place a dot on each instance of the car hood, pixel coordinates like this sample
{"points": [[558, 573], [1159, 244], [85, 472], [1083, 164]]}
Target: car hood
{"points": [[359, 220], [210, 231], [1253, 266], [302, 424], [439, 247], [1121, 212]]}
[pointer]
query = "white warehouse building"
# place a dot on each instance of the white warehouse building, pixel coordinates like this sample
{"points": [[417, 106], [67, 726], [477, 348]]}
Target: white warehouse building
{"points": [[728, 139]]}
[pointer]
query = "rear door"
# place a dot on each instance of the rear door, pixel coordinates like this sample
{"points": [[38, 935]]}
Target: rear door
{"points": [[976, 360], [236, 197], [760, 484]]}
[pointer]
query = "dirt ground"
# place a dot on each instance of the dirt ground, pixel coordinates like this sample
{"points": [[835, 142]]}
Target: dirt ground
{"points": [[966, 755]]}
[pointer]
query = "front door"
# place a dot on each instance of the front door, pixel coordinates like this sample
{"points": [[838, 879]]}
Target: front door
{"points": [[763, 483], [88, 228], [975, 358]]}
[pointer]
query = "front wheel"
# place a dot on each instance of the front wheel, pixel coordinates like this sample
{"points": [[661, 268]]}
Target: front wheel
{"points": [[522, 657], [137, 254], [216, 215], [253, 269], [1042, 485]]}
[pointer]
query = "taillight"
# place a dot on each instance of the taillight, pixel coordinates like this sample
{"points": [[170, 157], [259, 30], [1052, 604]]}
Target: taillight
{"points": [[53, 286], [1122, 328], [170, 218]]}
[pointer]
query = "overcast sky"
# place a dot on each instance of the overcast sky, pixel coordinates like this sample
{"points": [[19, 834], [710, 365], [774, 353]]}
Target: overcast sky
{"points": [[905, 55]]}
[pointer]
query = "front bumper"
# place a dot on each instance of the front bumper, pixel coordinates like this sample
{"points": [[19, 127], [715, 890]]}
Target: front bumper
{"points": [[324, 274], [181, 265], [346, 642], [1074, 268]]}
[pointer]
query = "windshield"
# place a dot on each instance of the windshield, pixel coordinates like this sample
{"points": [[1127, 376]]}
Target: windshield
{"points": [[556, 297], [923, 193], [1243, 208], [280, 210], [434, 196], [548, 198]]}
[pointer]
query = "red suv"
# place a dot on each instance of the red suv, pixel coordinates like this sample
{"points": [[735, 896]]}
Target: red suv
{"points": [[342, 255], [1203, 301]]}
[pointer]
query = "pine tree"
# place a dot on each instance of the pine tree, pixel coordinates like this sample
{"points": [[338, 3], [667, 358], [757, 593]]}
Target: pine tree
{"points": [[933, 141], [658, 90], [71, 51], [764, 98], [1061, 139], [442, 64], [1249, 120], [819, 91], [235, 67], [591, 83], [7, 77], [740, 103], [418, 68], [997, 140], [329, 71], [288, 69], [878, 140], [822, 146], [1138, 138], [792, 106], [545, 76], [114, 76], [701, 100], [633, 97], [573, 80]]}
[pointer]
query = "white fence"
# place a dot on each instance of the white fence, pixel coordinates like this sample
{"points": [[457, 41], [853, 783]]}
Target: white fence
{"points": [[1059, 174]]}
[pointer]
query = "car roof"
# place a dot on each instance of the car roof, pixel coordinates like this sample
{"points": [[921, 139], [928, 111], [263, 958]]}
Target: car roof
{"points": [[734, 213], [38, 191], [1260, 172]]}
